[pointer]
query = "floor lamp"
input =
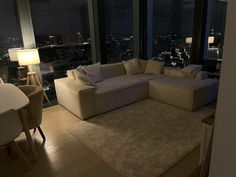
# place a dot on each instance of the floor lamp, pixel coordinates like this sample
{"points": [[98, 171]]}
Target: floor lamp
{"points": [[29, 57], [211, 40], [189, 40]]}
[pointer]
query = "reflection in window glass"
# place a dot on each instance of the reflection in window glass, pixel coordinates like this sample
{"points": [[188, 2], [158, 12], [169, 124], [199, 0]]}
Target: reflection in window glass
{"points": [[217, 18], [217, 29], [172, 25], [10, 37], [62, 35], [118, 30]]}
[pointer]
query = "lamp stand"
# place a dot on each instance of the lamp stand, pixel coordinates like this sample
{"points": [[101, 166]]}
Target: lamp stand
{"points": [[32, 79]]}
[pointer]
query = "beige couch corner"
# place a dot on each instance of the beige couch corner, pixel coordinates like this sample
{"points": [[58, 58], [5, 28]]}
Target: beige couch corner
{"points": [[118, 89], [77, 98], [183, 93]]}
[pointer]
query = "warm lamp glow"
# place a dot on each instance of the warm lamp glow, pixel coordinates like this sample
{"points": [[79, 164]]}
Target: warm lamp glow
{"points": [[28, 57], [211, 39], [189, 40], [13, 54]]}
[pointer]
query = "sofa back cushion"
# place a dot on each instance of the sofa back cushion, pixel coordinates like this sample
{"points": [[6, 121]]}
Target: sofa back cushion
{"points": [[132, 67], [112, 70], [82, 77], [154, 67], [143, 64], [177, 72], [94, 72], [174, 72]]}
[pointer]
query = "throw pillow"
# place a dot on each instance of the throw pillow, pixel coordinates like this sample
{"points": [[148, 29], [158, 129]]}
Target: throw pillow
{"points": [[94, 72], [154, 67], [82, 77], [71, 74], [191, 71], [143, 64], [132, 67]]}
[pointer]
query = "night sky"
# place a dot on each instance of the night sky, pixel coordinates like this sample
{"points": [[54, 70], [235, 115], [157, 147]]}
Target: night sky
{"points": [[60, 17], [9, 24], [66, 18]]}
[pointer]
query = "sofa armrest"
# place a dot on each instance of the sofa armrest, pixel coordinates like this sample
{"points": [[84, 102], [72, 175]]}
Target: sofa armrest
{"points": [[201, 75], [77, 98]]}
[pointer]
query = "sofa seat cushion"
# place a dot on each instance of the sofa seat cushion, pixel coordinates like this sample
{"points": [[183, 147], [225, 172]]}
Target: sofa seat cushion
{"points": [[147, 77], [184, 93], [120, 91], [184, 83], [121, 82]]}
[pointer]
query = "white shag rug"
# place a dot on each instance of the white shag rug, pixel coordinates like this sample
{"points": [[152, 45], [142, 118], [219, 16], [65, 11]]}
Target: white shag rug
{"points": [[143, 139]]}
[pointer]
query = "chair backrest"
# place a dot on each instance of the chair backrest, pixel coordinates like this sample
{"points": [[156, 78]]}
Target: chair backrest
{"points": [[10, 126], [35, 107]]}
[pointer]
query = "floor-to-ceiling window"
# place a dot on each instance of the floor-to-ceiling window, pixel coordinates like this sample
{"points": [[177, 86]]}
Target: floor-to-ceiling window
{"points": [[172, 31], [217, 28], [10, 37], [62, 35], [215, 33], [118, 30]]}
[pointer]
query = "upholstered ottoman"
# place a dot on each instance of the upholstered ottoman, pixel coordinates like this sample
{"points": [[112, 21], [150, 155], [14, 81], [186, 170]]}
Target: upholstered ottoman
{"points": [[184, 93]]}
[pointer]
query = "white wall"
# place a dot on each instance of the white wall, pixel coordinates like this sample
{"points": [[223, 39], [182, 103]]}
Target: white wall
{"points": [[223, 162]]}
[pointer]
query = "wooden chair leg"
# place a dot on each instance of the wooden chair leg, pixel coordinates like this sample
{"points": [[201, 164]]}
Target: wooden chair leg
{"points": [[8, 150], [20, 153], [41, 133]]}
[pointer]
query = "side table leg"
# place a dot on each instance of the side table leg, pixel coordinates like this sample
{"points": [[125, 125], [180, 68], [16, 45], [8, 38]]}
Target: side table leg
{"points": [[28, 136]]}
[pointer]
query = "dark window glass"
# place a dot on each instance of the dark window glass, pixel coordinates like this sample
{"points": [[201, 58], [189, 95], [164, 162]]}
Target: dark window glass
{"points": [[217, 18], [172, 31], [217, 29], [118, 16], [10, 37], [62, 35]]}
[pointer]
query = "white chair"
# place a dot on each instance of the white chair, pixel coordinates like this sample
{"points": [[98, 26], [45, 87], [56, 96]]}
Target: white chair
{"points": [[35, 107], [10, 129]]}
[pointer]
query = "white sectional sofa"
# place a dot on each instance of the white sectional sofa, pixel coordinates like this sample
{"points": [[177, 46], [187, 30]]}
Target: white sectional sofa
{"points": [[119, 89]]}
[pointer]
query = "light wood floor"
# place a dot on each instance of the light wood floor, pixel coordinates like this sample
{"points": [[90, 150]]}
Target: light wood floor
{"points": [[62, 155]]}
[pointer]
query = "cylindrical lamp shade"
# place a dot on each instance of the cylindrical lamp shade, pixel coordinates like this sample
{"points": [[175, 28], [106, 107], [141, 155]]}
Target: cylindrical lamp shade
{"points": [[28, 57], [188, 40], [13, 54], [211, 39]]}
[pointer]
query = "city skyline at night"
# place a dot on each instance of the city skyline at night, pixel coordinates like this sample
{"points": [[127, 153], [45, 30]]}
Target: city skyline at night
{"points": [[62, 33]]}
